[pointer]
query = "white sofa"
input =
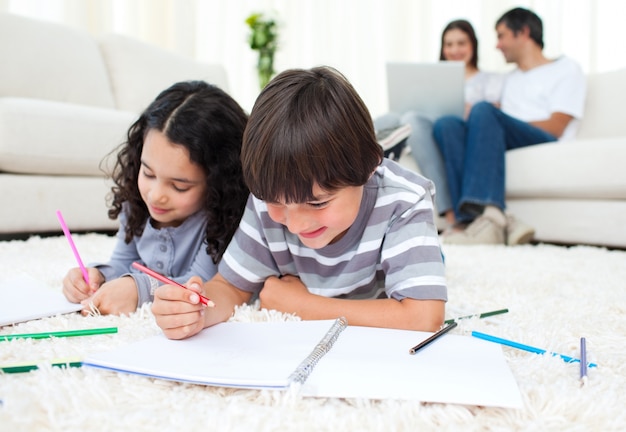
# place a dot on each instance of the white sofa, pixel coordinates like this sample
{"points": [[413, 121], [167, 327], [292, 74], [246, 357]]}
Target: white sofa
{"points": [[66, 101], [574, 192]]}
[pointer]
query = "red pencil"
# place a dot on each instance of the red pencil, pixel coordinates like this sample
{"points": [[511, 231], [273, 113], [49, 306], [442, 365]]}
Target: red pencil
{"points": [[204, 300]]}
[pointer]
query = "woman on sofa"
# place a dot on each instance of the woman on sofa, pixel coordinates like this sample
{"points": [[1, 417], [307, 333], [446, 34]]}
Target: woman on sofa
{"points": [[458, 43], [179, 195]]}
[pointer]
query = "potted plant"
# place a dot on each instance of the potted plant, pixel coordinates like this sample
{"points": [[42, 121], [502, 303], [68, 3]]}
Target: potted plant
{"points": [[263, 38]]}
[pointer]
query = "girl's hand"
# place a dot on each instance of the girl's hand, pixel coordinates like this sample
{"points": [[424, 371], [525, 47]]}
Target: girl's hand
{"points": [[179, 311], [115, 297], [76, 289]]}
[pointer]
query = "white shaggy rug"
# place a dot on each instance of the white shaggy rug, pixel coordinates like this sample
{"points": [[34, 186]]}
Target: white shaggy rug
{"points": [[555, 295]]}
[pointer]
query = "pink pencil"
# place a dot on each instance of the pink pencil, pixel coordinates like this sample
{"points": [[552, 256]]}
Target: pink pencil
{"points": [[68, 236], [204, 300]]}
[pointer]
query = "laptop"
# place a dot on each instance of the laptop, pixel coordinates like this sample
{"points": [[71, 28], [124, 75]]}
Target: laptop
{"points": [[434, 89]]}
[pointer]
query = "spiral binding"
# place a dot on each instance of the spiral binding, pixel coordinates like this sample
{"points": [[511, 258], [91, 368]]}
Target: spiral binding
{"points": [[305, 368]]}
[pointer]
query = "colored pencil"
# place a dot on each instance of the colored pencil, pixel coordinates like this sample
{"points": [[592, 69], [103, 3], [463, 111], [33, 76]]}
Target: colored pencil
{"points": [[583, 361], [435, 336], [204, 300], [68, 236], [67, 333], [27, 367], [528, 348], [482, 315]]}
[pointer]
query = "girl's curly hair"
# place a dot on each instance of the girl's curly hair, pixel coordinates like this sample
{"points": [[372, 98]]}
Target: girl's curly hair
{"points": [[209, 124]]}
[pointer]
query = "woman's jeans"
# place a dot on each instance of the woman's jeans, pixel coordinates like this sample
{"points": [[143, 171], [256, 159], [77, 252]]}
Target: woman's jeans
{"points": [[424, 150]]}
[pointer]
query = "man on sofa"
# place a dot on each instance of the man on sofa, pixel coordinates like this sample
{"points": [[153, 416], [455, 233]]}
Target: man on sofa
{"points": [[542, 101]]}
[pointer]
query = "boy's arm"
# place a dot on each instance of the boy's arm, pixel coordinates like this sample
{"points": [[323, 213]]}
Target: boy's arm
{"points": [[288, 294], [180, 314]]}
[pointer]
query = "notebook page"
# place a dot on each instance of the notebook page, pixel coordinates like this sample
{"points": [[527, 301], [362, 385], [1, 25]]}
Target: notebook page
{"points": [[232, 354], [376, 364], [23, 298]]}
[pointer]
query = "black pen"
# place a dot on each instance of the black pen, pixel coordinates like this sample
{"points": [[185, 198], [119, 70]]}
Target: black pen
{"points": [[441, 332]]}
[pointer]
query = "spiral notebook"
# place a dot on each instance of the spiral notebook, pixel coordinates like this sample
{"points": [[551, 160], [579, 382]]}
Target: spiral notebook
{"points": [[247, 355], [325, 359]]}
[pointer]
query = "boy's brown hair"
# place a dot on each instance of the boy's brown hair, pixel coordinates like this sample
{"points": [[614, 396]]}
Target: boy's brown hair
{"points": [[308, 126]]}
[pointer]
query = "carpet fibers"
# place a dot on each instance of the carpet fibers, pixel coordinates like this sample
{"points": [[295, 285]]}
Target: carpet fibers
{"points": [[554, 295]]}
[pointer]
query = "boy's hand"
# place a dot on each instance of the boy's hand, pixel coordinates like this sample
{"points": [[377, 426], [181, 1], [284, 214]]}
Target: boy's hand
{"points": [[115, 297], [178, 311], [286, 294], [76, 289]]}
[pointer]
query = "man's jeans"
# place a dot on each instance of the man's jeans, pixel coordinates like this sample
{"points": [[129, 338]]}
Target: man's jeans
{"points": [[474, 154]]}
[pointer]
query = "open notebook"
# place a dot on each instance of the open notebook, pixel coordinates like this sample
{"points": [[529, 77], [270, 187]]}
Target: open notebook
{"points": [[326, 359], [23, 298]]}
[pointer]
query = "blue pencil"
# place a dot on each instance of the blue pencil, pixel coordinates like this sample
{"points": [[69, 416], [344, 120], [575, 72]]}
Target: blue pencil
{"points": [[528, 348]]}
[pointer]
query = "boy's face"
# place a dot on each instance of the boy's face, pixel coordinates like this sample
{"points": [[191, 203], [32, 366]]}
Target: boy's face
{"points": [[323, 221]]}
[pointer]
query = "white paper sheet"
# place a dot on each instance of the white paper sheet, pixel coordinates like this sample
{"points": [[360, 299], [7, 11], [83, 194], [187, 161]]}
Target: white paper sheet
{"points": [[248, 355], [376, 364], [363, 363], [23, 298]]}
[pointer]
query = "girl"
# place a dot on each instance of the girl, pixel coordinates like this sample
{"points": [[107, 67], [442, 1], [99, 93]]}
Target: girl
{"points": [[179, 194]]}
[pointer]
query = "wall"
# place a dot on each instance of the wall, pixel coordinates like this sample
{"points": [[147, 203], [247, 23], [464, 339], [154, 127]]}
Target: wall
{"points": [[355, 36]]}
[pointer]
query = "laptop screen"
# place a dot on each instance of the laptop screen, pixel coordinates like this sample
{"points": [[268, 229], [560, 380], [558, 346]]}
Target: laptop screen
{"points": [[433, 89]]}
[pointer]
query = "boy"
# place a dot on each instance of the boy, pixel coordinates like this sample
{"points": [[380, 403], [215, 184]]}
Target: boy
{"points": [[331, 229]]}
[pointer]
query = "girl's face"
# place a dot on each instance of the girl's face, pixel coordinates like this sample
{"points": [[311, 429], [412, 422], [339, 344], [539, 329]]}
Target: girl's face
{"points": [[323, 221], [170, 184], [457, 46]]}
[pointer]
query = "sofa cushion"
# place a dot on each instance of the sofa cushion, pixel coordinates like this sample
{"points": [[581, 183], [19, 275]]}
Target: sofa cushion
{"points": [[604, 106], [35, 200], [51, 62], [130, 61], [583, 169], [44, 137]]}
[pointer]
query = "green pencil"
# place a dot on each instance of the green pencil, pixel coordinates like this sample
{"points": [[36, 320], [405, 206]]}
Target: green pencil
{"points": [[68, 333], [27, 367], [482, 315]]}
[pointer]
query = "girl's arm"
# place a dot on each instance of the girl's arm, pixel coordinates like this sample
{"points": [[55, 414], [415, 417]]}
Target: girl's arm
{"points": [[122, 256], [74, 286]]}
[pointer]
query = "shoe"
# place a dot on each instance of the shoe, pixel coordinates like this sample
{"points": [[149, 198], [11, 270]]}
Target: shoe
{"points": [[488, 228], [517, 232], [393, 140]]}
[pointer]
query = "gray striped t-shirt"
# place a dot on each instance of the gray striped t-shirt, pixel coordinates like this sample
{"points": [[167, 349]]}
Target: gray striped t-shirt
{"points": [[391, 250]]}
